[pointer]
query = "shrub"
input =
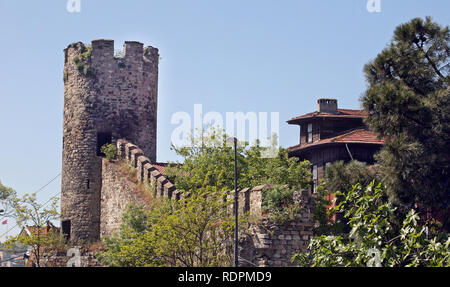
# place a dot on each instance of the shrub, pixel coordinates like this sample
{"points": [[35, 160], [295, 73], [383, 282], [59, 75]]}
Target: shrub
{"points": [[110, 151], [374, 240], [82, 62], [279, 202]]}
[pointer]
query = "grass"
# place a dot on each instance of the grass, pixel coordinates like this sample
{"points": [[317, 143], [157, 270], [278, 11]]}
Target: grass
{"points": [[82, 62]]}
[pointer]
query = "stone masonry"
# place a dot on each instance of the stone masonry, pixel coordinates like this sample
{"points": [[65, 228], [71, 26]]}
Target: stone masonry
{"points": [[271, 244], [118, 191], [105, 98], [264, 243]]}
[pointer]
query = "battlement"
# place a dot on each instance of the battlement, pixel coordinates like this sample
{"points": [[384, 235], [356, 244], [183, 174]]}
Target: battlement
{"points": [[133, 49], [103, 50], [147, 173], [250, 199]]}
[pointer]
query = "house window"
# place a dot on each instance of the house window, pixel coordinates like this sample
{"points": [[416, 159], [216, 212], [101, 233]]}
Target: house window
{"points": [[310, 133], [315, 178]]}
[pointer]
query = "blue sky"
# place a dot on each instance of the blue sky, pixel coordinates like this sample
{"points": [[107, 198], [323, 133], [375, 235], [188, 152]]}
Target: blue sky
{"points": [[230, 56]]}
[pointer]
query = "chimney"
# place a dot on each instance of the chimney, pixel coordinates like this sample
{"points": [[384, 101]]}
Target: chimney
{"points": [[327, 106]]}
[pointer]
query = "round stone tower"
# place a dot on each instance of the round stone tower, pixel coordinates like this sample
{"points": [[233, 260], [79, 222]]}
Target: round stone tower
{"points": [[106, 97]]}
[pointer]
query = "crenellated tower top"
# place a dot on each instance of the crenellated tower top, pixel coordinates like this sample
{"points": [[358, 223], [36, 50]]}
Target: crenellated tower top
{"points": [[105, 98]]}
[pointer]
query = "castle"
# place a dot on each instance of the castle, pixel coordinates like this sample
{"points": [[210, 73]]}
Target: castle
{"points": [[112, 98], [105, 98]]}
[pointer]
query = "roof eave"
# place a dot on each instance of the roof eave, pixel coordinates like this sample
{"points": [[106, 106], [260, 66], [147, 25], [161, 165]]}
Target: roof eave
{"points": [[298, 121], [320, 145]]}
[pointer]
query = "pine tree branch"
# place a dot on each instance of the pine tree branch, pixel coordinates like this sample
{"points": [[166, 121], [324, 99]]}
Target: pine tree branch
{"points": [[433, 64]]}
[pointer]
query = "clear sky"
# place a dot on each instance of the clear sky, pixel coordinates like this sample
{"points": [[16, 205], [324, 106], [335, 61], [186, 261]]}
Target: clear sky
{"points": [[229, 56]]}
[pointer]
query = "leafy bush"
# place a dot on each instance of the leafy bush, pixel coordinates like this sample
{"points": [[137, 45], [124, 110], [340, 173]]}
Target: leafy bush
{"points": [[110, 151], [339, 176], [278, 201], [82, 62]]}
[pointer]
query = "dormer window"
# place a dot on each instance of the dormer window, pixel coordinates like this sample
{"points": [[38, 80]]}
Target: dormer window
{"points": [[310, 133]]}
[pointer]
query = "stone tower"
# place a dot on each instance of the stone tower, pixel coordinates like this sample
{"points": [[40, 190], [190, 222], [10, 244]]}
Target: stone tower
{"points": [[106, 97]]}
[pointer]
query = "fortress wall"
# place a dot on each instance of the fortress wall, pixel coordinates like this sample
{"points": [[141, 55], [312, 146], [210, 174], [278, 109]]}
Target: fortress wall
{"points": [[265, 243], [271, 244], [117, 192]]}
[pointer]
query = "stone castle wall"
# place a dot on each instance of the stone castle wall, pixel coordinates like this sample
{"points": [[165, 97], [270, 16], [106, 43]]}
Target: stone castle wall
{"points": [[77, 256], [118, 191], [271, 244], [105, 98], [264, 243], [74, 257]]}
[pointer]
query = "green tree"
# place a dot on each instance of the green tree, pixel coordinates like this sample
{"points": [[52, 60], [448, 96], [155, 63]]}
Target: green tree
{"points": [[34, 216], [408, 99], [6, 196], [195, 232], [127, 248], [210, 163], [373, 240], [338, 177]]}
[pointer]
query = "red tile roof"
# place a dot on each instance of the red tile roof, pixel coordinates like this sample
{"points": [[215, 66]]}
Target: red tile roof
{"points": [[342, 113], [42, 230], [161, 167], [354, 136]]}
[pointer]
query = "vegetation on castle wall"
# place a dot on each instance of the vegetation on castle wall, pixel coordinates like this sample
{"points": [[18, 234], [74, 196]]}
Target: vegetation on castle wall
{"points": [[82, 62], [129, 171], [278, 202], [110, 151]]}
